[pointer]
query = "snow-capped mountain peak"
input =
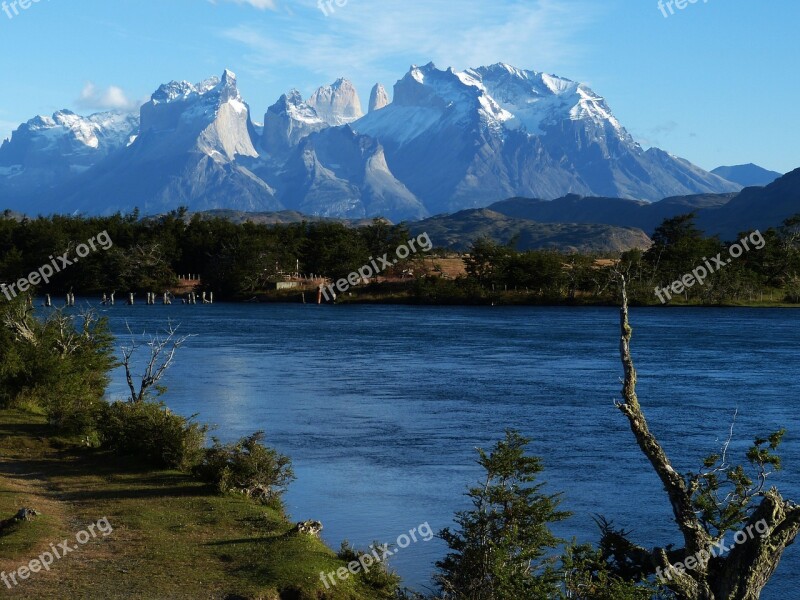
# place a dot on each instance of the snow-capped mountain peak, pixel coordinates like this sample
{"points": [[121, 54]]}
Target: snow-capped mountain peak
{"points": [[287, 122], [449, 140], [298, 109], [537, 100]]}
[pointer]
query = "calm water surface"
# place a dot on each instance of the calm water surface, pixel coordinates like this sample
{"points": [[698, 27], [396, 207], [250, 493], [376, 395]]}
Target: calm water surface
{"points": [[381, 408]]}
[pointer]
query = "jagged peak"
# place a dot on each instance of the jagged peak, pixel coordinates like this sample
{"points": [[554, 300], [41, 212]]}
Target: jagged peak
{"points": [[182, 91], [293, 96], [338, 103], [378, 98]]}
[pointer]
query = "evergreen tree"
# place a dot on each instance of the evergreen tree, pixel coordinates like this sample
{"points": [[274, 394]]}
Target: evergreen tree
{"points": [[500, 550]]}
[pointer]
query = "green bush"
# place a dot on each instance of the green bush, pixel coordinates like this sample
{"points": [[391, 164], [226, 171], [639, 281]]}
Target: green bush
{"points": [[148, 430], [247, 467], [382, 582], [58, 365]]}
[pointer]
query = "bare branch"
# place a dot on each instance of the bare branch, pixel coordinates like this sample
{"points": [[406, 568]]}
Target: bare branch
{"points": [[162, 356], [694, 534]]}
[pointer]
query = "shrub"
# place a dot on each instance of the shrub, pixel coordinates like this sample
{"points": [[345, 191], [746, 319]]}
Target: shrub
{"points": [[382, 582], [149, 430], [58, 364], [248, 467]]}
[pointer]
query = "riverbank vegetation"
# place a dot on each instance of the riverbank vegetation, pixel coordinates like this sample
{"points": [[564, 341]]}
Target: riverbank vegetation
{"points": [[286, 263], [189, 520]]}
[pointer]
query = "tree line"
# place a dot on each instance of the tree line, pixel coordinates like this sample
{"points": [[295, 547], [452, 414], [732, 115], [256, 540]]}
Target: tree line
{"points": [[148, 255], [766, 267], [239, 261]]}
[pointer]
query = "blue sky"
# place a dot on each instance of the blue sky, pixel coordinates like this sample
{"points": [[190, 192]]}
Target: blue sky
{"points": [[714, 82]]}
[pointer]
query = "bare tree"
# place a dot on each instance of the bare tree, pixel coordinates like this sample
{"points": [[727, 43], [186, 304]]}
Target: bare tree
{"points": [[708, 505], [162, 354], [18, 319]]}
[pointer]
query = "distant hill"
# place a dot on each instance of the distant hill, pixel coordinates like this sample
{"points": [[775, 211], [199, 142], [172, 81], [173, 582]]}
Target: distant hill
{"points": [[747, 175], [725, 215], [608, 211], [755, 208], [458, 231]]}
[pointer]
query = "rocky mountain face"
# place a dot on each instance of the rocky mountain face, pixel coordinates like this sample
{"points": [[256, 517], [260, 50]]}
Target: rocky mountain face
{"points": [[447, 141], [378, 98], [337, 104], [189, 150], [287, 122], [456, 139], [339, 173], [49, 151]]}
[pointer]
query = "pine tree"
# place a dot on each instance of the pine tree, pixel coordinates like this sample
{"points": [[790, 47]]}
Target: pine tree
{"points": [[501, 548]]}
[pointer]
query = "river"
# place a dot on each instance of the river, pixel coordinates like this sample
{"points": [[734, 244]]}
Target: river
{"points": [[381, 407]]}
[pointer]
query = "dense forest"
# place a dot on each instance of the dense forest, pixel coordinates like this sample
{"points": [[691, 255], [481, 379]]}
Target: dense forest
{"points": [[241, 261]]}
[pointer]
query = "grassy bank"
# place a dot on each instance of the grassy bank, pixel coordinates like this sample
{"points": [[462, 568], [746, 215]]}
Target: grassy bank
{"points": [[443, 292], [172, 538]]}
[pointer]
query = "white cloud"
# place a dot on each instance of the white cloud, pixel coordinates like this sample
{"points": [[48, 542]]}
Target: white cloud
{"points": [[364, 36], [111, 98]]}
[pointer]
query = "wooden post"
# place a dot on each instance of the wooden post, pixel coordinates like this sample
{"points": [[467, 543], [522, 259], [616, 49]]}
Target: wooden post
{"points": [[47, 300], [211, 297], [130, 299]]}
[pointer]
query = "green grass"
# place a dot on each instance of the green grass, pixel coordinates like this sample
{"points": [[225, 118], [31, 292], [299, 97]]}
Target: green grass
{"points": [[173, 537]]}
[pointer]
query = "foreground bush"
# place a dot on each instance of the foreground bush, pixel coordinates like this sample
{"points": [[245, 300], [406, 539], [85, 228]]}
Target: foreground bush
{"points": [[247, 467], [148, 430], [58, 365], [382, 582]]}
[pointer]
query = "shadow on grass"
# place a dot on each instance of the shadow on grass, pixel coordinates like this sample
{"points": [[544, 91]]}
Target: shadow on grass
{"points": [[100, 475]]}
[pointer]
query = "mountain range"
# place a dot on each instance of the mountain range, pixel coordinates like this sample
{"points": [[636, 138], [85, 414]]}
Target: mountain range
{"points": [[445, 141]]}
